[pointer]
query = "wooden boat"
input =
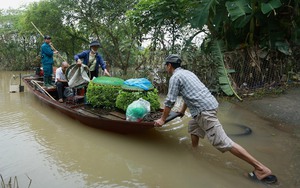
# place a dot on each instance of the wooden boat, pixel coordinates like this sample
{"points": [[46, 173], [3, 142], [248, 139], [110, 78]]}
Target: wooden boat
{"points": [[75, 108]]}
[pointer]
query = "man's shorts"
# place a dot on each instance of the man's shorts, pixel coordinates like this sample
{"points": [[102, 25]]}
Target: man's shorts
{"points": [[208, 124]]}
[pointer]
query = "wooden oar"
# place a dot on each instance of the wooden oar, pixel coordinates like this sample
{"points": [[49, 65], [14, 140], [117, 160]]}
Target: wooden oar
{"points": [[172, 115], [42, 89], [50, 43]]}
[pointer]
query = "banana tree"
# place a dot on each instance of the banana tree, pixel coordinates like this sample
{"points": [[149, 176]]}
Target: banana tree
{"points": [[247, 23]]}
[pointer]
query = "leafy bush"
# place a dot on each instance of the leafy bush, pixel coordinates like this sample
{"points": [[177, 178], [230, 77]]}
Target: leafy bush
{"points": [[125, 98], [102, 95]]}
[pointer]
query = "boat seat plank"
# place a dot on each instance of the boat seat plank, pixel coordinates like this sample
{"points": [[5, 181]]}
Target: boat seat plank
{"points": [[107, 116], [50, 89], [86, 113], [74, 99], [118, 114], [112, 117]]}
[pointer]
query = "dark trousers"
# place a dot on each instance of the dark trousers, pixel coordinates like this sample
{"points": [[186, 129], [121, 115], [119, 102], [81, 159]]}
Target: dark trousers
{"points": [[60, 87], [93, 74]]}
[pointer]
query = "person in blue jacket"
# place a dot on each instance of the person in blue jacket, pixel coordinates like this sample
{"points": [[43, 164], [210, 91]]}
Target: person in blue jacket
{"points": [[92, 59], [47, 60]]}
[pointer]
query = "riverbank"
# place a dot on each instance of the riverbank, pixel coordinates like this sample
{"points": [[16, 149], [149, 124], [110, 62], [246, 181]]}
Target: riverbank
{"points": [[283, 109]]}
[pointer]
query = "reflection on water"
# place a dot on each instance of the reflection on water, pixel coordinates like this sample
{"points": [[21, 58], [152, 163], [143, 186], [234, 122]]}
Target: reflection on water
{"points": [[56, 151]]}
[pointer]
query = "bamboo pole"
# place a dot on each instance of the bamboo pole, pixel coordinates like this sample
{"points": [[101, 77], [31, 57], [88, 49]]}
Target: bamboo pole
{"points": [[42, 89], [53, 48]]}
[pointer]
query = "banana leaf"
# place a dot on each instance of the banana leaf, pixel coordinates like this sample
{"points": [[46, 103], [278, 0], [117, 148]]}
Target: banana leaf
{"points": [[270, 5], [224, 81], [237, 9], [202, 13]]}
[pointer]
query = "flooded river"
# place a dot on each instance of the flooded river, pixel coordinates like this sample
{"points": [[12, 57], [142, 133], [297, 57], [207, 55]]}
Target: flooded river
{"points": [[42, 146]]}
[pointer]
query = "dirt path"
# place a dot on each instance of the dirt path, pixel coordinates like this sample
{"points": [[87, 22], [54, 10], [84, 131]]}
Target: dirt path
{"points": [[284, 108]]}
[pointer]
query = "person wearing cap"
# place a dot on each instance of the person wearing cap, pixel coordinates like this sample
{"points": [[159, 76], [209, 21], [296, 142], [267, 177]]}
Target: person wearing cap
{"points": [[203, 108], [47, 60], [92, 59], [61, 80]]}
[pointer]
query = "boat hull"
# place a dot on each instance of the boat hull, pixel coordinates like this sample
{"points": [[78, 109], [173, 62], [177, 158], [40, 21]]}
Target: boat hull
{"points": [[78, 112]]}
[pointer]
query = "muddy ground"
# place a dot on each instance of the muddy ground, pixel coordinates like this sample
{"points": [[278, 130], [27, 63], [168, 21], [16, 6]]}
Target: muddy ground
{"points": [[283, 109]]}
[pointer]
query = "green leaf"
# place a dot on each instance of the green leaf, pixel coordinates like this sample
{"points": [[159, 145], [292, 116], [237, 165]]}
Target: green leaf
{"points": [[125, 98], [227, 90], [230, 71], [283, 47], [237, 9], [296, 36], [271, 5], [242, 21], [202, 13], [174, 12], [224, 81]]}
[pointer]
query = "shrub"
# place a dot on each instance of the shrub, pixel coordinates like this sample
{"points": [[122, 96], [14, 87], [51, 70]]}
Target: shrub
{"points": [[125, 98]]}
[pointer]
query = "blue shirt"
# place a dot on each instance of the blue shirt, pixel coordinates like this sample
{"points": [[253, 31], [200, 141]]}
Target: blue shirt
{"points": [[85, 55], [47, 54], [195, 94]]}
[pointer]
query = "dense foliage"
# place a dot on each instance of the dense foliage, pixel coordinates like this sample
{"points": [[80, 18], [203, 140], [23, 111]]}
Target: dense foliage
{"points": [[136, 36], [125, 98], [99, 95]]}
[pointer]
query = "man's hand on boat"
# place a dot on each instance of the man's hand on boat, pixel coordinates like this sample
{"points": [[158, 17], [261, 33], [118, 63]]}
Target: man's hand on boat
{"points": [[159, 122], [171, 115]]}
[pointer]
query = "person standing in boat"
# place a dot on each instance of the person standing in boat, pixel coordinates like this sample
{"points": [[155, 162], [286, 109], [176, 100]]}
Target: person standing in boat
{"points": [[92, 59], [203, 108], [60, 80], [47, 60]]}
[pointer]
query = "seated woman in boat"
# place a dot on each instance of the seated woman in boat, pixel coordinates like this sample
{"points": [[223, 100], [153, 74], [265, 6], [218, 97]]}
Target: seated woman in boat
{"points": [[60, 80]]}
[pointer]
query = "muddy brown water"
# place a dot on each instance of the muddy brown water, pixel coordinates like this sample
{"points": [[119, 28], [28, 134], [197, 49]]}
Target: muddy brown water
{"points": [[52, 150]]}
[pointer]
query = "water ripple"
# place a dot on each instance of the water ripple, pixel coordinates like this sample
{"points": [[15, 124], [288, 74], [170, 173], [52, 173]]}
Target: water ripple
{"points": [[11, 118], [172, 128], [12, 124]]}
